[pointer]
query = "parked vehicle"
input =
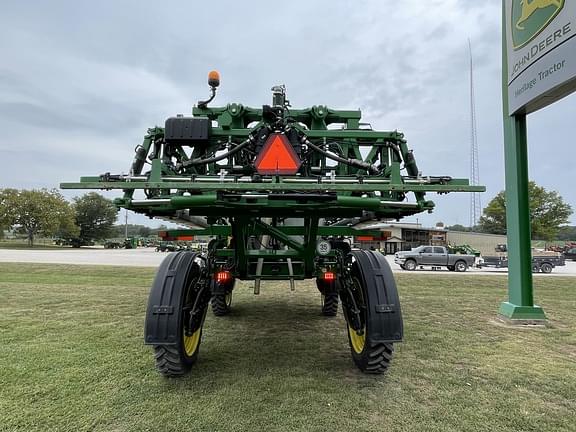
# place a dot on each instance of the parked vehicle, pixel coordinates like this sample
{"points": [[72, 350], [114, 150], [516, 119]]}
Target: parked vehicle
{"points": [[165, 247], [543, 262], [113, 244], [436, 256], [75, 242], [570, 254]]}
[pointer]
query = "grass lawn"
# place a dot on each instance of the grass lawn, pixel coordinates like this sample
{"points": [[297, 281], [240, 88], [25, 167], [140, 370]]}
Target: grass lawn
{"points": [[23, 244], [72, 359]]}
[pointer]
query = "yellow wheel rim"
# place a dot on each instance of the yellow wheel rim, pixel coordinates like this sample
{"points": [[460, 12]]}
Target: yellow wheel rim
{"points": [[191, 342], [357, 341]]}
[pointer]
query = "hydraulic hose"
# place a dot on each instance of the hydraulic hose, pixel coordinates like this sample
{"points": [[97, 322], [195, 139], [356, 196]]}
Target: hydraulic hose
{"points": [[352, 162], [192, 162]]}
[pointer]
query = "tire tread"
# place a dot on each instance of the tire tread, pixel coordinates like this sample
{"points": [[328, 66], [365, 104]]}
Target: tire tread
{"points": [[376, 358], [330, 306], [219, 306], [168, 361]]}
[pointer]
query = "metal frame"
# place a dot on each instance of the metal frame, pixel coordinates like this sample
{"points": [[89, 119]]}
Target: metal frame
{"points": [[349, 172]]}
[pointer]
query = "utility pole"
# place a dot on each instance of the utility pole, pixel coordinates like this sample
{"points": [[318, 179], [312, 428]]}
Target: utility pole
{"points": [[125, 223]]}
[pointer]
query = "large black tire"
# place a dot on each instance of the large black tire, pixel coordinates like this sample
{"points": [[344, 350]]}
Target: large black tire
{"points": [[329, 292], [330, 304], [170, 361], [221, 304], [177, 284], [546, 267], [377, 324], [375, 358]]}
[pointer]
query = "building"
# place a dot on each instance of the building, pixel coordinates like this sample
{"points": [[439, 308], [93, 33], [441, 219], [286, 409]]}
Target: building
{"points": [[396, 237], [400, 236]]}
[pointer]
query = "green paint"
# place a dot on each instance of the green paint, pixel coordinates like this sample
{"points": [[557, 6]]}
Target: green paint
{"points": [[516, 312], [265, 228], [529, 17], [520, 288], [349, 184], [223, 230], [347, 170]]}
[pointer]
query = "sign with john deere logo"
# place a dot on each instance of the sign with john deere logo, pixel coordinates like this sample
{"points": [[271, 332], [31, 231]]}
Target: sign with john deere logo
{"points": [[540, 51], [530, 17]]}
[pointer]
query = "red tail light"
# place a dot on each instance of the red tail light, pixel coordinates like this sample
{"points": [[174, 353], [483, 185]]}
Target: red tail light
{"points": [[329, 276], [222, 276]]}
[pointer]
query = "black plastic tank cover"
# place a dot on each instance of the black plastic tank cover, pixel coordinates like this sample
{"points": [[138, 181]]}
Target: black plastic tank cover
{"points": [[186, 130]]}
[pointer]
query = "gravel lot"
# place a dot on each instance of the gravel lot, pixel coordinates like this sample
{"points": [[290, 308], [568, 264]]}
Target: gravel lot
{"points": [[148, 257]]}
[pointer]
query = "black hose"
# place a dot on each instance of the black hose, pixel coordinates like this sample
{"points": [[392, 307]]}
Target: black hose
{"points": [[352, 162], [204, 104], [213, 159]]}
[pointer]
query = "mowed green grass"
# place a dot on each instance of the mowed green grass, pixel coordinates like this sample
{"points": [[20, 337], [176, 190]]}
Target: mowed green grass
{"points": [[23, 244], [72, 359]]}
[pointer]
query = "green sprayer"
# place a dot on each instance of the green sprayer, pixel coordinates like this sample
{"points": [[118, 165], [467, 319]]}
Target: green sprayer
{"points": [[279, 190]]}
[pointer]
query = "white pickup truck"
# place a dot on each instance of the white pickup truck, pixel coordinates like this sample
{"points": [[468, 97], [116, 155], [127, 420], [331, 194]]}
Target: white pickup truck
{"points": [[435, 256]]}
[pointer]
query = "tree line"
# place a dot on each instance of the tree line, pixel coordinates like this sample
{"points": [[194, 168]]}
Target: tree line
{"points": [[91, 217], [47, 213], [549, 215]]}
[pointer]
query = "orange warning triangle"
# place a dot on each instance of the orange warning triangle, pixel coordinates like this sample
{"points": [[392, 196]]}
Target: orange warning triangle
{"points": [[277, 157]]}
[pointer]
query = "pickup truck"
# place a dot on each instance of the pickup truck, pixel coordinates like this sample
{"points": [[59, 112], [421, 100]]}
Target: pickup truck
{"points": [[436, 256], [570, 254]]}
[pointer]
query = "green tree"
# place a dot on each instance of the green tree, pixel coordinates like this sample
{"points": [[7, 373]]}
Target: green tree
{"points": [[493, 220], [133, 230], [548, 212], [6, 216], [458, 227], [567, 233], [6, 208], [95, 215], [36, 212], [145, 231]]}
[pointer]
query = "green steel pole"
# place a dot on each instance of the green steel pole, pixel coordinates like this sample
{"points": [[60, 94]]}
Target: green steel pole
{"points": [[520, 304]]}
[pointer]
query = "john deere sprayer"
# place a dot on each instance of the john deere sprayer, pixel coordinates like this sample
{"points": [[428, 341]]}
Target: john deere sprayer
{"points": [[278, 190]]}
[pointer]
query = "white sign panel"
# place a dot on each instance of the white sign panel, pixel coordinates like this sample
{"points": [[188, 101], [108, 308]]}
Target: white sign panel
{"points": [[541, 52], [323, 247]]}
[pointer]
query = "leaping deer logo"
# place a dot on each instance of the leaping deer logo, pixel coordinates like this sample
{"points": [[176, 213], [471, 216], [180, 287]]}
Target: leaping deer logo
{"points": [[529, 7]]}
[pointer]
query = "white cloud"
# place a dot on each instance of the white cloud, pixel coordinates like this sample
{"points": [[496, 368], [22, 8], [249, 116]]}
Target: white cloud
{"points": [[80, 82]]}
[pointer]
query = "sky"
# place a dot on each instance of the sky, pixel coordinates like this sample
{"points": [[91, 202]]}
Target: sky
{"points": [[80, 82]]}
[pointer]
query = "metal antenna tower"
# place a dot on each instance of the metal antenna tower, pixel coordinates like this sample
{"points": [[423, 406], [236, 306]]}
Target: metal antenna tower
{"points": [[475, 202]]}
